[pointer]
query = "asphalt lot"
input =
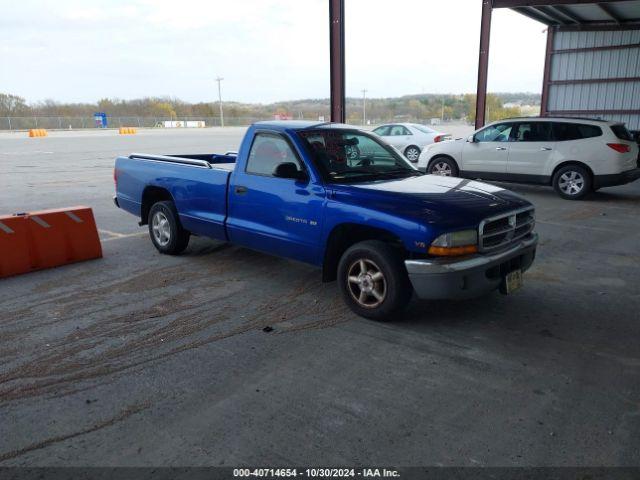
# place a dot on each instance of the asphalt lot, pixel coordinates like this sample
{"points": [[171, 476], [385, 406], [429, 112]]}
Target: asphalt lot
{"points": [[142, 359]]}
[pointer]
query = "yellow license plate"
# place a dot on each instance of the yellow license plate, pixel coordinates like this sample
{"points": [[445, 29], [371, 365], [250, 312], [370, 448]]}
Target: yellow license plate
{"points": [[513, 281]]}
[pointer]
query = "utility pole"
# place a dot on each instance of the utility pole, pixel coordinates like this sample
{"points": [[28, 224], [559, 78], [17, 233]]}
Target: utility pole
{"points": [[219, 79], [442, 112], [364, 106]]}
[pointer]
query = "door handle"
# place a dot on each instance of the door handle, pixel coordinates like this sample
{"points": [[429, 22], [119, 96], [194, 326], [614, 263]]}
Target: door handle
{"points": [[501, 148], [240, 190], [546, 149]]}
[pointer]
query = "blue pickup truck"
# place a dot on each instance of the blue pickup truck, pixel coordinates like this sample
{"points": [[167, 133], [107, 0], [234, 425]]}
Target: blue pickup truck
{"points": [[342, 199]]}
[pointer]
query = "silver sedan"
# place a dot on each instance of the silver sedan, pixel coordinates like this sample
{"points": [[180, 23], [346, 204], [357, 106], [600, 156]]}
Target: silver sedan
{"points": [[410, 138]]}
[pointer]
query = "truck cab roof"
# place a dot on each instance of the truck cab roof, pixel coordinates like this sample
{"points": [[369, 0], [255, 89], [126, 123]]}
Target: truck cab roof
{"points": [[299, 124]]}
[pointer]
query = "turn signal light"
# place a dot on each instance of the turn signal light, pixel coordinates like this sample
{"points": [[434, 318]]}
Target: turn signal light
{"points": [[452, 251], [620, 147]]}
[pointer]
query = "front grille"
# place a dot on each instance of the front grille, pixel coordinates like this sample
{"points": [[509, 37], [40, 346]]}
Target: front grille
{"points": [[503, 230]]}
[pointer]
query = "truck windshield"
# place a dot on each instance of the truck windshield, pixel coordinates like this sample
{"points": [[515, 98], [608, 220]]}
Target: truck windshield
{"points": [[354, 156]]}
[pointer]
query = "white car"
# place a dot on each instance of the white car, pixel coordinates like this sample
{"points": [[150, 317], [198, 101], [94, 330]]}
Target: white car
{"points": [[409, 138], [574, 155]]}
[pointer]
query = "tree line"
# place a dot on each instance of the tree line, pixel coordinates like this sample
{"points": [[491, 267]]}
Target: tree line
{"points": [[408, 108]]}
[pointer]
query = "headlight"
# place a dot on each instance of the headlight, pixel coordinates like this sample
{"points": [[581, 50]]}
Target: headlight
{"points": [[463, 242]]}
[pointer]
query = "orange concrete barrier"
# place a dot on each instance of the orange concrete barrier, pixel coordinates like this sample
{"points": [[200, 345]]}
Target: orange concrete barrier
{"points": [[38, 132], [48, 238], [127, 131], [14, 246]]}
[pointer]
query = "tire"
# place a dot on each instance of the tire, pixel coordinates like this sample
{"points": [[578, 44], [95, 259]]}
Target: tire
{"points": [[412, 153], [572, 182], [443, 166], [384, 273], [169, 238]]}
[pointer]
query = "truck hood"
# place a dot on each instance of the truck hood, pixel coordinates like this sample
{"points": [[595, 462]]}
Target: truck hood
{"points": [[449, 200]]}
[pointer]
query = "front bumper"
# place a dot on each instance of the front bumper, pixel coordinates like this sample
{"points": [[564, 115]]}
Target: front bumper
{"points": [[468, 277], [623, 178]]}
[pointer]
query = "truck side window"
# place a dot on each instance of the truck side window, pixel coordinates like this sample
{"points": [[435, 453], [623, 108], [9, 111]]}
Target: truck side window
{"points": [[267, 151]]}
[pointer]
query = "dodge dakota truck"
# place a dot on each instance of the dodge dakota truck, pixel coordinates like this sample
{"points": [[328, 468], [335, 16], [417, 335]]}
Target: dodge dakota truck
{"points": [[341, 199]]}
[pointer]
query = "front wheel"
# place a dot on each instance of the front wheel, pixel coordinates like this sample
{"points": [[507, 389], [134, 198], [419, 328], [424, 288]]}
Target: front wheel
{"points": [[572, 182], [373, 280], [165, 229], [412, 153], [443, 166]]}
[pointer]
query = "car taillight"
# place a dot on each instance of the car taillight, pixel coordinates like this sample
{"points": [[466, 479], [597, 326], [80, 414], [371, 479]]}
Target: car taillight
{"points": [[438, 138], [619, 147]]}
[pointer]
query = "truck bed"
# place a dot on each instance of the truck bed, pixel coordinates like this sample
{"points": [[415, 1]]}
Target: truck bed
{"points": [[213, 160], [198, 184]]}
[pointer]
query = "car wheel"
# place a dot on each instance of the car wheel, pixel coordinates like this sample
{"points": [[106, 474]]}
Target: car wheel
{"points": [[572, 182], [412, 153], [165, 229], [443, 166], [373, 280]]}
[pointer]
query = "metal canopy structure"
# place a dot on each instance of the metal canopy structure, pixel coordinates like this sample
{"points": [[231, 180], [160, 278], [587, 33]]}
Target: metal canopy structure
{"points": [[592, 63], [576, 12], [336, 60]]}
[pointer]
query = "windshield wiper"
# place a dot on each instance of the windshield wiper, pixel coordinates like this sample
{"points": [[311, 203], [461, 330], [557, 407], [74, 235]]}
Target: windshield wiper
{"points": [[401, 171], [361, 172]]}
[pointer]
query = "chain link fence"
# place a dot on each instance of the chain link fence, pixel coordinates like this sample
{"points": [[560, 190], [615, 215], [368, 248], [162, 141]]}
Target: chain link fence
{"points": [[75, 123]]}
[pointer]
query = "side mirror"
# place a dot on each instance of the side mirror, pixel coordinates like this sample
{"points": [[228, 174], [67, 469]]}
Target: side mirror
{"points": [[289, 170], [471, 138]]}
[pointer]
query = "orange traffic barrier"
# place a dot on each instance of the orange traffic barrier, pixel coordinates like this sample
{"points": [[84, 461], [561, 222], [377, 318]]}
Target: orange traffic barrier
{"points": [[14, 246], [127, 131], [48, 238], [38, 132]]}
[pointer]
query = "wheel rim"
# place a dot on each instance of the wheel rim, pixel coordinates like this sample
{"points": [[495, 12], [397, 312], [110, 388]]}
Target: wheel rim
{"points": [[412, 154], [571, 183], [366, 282], [161, 229], [442, 169]]}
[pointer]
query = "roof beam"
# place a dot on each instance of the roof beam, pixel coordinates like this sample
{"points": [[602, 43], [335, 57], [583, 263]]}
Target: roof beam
{"points": [[543, 3], [568, 13], [607, 9], [597, 49], [534, 14], [601, 27], [555, 113], [552, 13], [578, 81]]}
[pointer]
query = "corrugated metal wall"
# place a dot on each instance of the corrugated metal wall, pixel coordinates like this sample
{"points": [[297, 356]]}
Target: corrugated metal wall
{"points": [[597, 97]]}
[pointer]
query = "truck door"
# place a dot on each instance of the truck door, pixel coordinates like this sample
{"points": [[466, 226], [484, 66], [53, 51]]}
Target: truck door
{"points": [[281, 216]]}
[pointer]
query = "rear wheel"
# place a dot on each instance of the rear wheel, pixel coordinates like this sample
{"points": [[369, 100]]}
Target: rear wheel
{"points": [[373, 280], [443, 166], [412, 153], [165, 229], [572, 182]]}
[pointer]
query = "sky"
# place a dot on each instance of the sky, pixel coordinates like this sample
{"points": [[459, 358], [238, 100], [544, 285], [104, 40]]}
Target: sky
{"points": [[266, 50]]}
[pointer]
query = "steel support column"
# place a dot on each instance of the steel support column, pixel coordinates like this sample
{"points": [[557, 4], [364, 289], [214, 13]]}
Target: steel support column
{"points": [[336, 62], [483, 63], [546, 78]]}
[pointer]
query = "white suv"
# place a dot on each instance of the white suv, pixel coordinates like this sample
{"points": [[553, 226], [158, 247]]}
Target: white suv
{"points": [[574, 155]]}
